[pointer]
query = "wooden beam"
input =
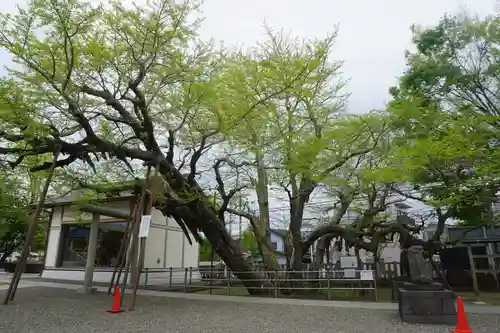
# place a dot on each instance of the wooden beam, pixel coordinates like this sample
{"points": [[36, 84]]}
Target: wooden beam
{"points": [[30, 234], [473, 270], [88, 208]]}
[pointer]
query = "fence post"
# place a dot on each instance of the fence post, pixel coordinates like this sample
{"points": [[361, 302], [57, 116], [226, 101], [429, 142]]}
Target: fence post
{"points": [[170, 279], [328, 286], [229, 281], [211, 276], [146, 278], [190, 275], [185, 279], [276, 280]]}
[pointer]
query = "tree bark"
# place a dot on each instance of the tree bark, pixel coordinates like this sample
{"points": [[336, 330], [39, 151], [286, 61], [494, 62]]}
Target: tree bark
{"points": [[321, 248], [265, 247], [261, 226], [198, 216], [187, 201], [202, 218]]}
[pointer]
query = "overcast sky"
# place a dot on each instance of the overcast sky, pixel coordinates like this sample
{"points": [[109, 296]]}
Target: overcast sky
{"points": [[372, 40]]}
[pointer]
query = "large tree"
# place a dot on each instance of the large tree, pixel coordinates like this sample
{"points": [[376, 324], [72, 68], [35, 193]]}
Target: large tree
{"points": [[447, 107], [132, 84], [271, 139], [13, 216]]}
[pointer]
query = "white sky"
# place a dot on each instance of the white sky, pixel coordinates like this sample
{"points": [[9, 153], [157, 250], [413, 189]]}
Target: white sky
{"points": [[373, 34], [372, 40]]}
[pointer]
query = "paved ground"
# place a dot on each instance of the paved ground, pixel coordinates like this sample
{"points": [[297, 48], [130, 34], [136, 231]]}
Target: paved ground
{"points": [[51, 310]]}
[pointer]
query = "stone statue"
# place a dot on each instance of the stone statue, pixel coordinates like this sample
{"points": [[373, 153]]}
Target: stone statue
{"points": [[418, 270], [420, 299]]}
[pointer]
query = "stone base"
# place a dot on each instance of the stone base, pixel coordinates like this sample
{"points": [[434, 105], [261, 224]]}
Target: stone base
{"points": [[90, 291], [401, 284], [425, 305]]}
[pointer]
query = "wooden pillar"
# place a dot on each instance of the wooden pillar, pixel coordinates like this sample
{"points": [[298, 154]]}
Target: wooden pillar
{"points": [[91, 254], [472, 270]]}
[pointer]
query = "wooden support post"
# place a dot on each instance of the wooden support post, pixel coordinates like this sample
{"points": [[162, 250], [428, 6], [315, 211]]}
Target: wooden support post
{"points": [[133, 253], [91, 254], [122, 252], [473, 270], [21, 264], [138, 272], [129, 253], [142, 250]]}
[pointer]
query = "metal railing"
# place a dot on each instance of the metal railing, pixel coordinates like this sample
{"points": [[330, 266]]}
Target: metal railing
{"points": [[322, 284]]}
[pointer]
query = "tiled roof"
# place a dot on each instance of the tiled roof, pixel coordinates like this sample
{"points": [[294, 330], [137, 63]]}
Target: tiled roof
{"points": [[280, 232]]}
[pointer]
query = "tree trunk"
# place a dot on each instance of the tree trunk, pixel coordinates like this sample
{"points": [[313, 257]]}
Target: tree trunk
{"points": [[261, 227], [319, 254], [265, 247], [187, 203], [321, 249], [297, 205], [197, 216]]}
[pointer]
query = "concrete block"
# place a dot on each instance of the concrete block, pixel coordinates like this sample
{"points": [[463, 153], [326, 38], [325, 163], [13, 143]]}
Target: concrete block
{"points": [[427, 306]]}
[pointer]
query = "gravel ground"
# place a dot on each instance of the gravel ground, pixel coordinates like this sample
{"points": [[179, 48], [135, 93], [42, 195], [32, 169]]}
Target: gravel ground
{"points": [[49, 310]]}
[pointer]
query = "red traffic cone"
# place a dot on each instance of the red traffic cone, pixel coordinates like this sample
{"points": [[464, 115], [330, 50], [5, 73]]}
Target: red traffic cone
{"points": [[115, 308], [462, 325]]}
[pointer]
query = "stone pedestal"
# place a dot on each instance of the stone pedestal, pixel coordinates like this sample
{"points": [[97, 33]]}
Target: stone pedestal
{"points": [[426, 304], [402, 284]]}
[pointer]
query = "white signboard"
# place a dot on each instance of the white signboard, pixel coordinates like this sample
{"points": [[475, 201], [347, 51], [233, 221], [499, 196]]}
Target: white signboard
{"points": [[144, 227], [349, 273], [348, 262], [366, 275]]}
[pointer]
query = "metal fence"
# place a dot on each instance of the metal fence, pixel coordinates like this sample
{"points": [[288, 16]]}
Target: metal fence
{"points": [[321, 284]]}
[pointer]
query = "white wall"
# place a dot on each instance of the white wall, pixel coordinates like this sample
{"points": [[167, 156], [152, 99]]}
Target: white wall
{"points": [[166, 245], [280, 245], [191, 253], [391, 252], [54, 236], [174, 248], [155, 248]]}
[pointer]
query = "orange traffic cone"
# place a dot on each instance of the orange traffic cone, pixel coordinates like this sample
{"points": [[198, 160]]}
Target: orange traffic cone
{"points": [[462, 325], [115, 308]]}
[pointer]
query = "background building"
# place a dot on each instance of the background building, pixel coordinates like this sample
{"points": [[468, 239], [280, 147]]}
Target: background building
{"points": [[70, 230]]}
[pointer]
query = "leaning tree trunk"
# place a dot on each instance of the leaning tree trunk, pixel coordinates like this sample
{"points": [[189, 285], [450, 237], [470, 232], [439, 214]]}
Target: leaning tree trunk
{"points": [[193, 210], [198, 216]]}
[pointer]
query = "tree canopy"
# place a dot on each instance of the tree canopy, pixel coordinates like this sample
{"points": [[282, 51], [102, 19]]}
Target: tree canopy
{"points": [[447, 106]]}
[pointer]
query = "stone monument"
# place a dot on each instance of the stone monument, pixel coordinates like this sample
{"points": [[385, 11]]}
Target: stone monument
{"points": [[422, 300]]}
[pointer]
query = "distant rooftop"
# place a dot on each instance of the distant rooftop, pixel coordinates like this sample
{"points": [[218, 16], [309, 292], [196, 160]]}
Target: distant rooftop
{"points": [[124, 190], [280, 232]]}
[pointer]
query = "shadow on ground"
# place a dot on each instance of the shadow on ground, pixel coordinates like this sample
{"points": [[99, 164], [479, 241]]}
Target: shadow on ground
{"points": [[51, 310]]}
